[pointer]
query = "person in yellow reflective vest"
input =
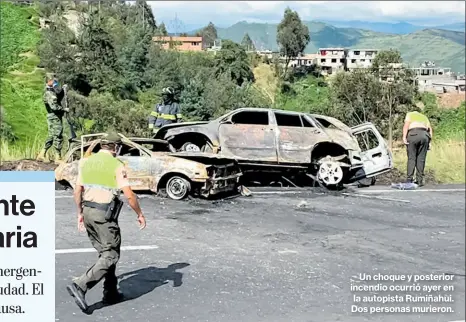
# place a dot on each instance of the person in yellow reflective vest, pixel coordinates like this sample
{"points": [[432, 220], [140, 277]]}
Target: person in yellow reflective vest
{"points": [[167, 112], [101, 177], [417, 134]]}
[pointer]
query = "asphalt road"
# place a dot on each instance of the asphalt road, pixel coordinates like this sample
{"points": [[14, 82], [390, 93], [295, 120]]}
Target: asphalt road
{"points": [[275, 256]]}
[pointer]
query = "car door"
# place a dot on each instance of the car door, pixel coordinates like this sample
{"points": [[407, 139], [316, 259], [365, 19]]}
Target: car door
{"points": [[296, 136], [248, 136], [138, 166], [376, 155]]}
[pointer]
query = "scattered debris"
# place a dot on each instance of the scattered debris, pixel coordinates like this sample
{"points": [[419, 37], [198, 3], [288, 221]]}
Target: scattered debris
{"points": [[245, 191], [302, 204], [404, 186], [289, 181]]}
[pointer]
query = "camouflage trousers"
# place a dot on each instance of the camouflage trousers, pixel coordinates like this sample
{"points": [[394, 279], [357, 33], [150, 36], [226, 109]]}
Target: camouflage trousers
{"points": [[55, 132]]}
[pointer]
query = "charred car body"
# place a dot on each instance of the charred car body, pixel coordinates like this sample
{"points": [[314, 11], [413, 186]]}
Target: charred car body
{"points": [[152, 167], [266, 139]]}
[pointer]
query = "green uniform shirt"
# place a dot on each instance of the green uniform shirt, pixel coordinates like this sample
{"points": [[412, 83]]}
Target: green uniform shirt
{"points": [[417, 120]]}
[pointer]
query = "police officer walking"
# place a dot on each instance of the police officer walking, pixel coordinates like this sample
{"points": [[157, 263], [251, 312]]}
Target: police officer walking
{"points": [[53, 96], [101, 177], [166, 113], [417, 134]]}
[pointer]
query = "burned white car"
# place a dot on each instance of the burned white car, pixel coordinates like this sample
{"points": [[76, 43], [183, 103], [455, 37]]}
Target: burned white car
{"points": [[152, 167]]}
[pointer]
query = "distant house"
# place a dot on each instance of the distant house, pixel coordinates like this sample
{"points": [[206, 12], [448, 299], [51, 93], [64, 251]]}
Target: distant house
{"points": [[181, 43]]}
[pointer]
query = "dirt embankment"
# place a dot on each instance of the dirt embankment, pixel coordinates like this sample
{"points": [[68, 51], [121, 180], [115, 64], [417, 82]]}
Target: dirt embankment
{"points": [[451, 100], [26, 165], [396, 176]]}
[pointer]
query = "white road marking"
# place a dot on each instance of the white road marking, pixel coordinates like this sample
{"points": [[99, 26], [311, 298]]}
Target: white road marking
{"points": [[58, 197], [283, 192], [92, 250], [373, 197], [420, 190]]}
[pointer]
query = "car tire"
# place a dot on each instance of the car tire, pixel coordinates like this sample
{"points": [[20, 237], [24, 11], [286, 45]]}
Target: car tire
{"points": [[190, 147], [331, 175], [177, 188]]}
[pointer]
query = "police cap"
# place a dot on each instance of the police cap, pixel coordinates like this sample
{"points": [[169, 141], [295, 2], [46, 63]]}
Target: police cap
{"points": [[111, 138]]}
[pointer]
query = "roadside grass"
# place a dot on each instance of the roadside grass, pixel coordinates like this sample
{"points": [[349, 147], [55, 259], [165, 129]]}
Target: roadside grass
{"points": [[11, 152], [21, 81], [266, 81], [445, 158]]}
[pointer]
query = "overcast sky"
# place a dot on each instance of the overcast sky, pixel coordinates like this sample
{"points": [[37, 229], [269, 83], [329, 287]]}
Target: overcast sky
{"points": [[226, 13]]}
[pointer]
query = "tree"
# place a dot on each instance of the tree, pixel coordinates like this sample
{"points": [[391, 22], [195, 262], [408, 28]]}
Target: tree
{"points": [[233, 60], [361, 96], [398, 87], [209, 33], [292, 36], [247, 43], [162, 30], [147, 14], [385, 58]]}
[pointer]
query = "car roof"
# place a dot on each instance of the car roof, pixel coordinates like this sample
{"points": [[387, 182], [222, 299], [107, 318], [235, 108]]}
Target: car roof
{"points": [[253, 109]]}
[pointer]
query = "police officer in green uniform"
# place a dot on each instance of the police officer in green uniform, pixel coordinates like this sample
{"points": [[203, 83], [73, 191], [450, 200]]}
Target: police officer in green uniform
{"points": [[101, 177], [417, 134]]}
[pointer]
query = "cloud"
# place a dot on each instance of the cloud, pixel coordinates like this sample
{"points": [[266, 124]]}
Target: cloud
{"points": [[225, 13]]}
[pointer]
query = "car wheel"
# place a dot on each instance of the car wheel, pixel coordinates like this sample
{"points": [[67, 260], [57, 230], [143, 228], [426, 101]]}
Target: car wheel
{"points": [[190, 147], [330, 174], [177, 188]]}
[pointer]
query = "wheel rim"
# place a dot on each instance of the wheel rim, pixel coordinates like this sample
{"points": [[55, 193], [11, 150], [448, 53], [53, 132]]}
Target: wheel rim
{"points": [[191, 147], [177, 188], [330, 173]]}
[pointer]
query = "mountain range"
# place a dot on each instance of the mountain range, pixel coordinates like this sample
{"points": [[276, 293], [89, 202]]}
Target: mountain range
{"points": [[400, 28], [417, 44]]}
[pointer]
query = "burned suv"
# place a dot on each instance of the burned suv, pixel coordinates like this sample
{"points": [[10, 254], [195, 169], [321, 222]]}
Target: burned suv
{"points": [[324, 147]]}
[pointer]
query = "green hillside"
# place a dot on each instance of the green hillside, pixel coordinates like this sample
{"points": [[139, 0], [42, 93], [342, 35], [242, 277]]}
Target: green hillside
{"points": [[21, 80], [444, 47], [440, 46]]}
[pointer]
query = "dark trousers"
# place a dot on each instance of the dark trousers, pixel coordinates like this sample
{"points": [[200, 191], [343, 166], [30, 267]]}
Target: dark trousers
{"points": [[106, 239], [418, 144]]}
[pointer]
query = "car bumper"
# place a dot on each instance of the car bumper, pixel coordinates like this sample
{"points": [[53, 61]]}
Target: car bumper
{"points": [[224, 178]]}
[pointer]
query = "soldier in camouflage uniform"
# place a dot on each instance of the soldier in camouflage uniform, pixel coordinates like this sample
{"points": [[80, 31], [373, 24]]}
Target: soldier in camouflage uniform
{"points": [[53, 96]]}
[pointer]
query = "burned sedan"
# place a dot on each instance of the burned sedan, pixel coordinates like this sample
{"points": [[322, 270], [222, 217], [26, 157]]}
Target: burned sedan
{"points": [[260, 138], [152, 167]]}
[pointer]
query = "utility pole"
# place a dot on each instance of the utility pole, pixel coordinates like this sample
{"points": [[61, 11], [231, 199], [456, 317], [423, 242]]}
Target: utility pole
{"points": [[175, 25]]}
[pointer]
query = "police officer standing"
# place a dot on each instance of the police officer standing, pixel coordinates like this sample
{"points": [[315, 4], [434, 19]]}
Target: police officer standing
{"points": [[53, 97], [417, 134], [101, 177], [166, 113]]}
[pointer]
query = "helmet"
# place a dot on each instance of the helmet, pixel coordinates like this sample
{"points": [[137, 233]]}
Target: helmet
{"points": [[111, 138], [168, 90]]}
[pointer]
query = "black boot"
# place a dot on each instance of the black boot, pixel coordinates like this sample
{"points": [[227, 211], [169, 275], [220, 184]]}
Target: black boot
{"points": [[79, 296], [112, 297]]}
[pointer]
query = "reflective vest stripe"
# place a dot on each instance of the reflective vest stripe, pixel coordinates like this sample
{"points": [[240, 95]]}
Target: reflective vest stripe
{"points": [[179, 116], [153, 113], [167, 117]]}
